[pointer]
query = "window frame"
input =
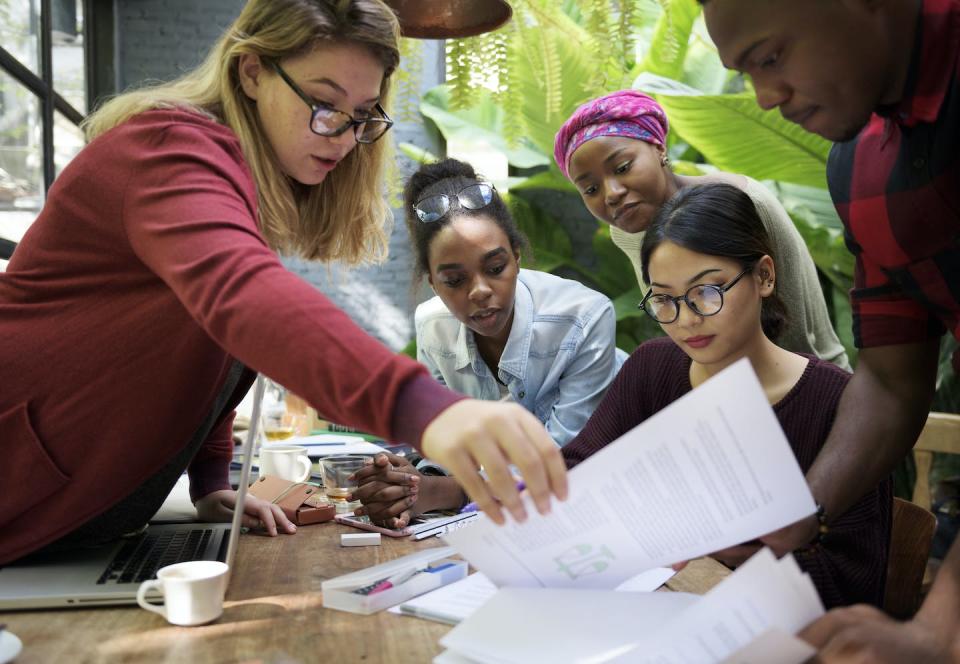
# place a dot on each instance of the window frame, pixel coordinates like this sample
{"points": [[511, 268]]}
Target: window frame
{"points": [[99, 71]]}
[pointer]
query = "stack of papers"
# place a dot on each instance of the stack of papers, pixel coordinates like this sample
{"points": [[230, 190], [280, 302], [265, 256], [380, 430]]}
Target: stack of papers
{"points": [[749, 618], [456, 602], [712, 470]]}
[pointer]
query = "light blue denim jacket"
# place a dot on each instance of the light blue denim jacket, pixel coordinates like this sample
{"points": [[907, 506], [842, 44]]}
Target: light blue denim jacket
{"points": [[559, 359]]}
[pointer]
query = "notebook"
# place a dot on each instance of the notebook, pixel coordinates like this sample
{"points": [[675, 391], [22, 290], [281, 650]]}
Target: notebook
{"points": [[112, 574]]}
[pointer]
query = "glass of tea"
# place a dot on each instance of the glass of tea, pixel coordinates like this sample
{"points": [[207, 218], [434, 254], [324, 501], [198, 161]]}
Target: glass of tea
{"points": [[336, 473]]}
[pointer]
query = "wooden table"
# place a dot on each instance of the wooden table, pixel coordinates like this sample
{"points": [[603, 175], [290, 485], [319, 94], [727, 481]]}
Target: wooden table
{"points": [[273, 614]]}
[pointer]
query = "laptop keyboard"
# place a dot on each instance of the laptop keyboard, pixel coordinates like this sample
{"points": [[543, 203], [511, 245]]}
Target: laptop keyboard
{"points": [[139, 559]]}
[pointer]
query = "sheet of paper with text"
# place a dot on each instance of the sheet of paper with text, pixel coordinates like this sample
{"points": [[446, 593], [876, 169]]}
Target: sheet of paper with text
{"points": [[711, 470]]}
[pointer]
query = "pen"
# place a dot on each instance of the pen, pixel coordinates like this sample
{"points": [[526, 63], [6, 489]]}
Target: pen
{"points": [[429, 615], [395, 580]]}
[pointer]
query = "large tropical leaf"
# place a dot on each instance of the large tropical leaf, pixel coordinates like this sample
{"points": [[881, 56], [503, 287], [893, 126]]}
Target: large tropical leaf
{"points": [[550, 179], [626, 305], [736, 135], [550, 244], [816, 200], [671, 38], [416, 153], [702, 68], [815, 217], [553, 62], [614, 274], [482, 122], [826, 247]]}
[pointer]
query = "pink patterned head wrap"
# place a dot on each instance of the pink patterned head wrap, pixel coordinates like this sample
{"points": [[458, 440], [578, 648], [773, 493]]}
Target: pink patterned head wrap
{"points": [[627, 113]]}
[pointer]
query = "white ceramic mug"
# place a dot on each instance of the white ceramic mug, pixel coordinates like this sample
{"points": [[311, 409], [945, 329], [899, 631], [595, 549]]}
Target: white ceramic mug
{"points": [[192, 592], [287, 461]]}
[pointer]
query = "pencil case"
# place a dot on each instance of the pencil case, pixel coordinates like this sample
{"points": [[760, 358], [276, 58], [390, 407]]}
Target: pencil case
{"points": [[347, 592], [302, 503]]}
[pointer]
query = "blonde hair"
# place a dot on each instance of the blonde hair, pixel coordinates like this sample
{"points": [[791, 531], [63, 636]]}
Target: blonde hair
{"points": [[344, 218]]}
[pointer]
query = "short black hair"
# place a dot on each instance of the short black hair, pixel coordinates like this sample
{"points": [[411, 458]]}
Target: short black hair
{"points": [[448, 177], [718, 220]]}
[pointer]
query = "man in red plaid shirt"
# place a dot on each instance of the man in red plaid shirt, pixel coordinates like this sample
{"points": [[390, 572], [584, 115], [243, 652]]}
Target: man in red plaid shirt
{"points": [[880, 79]]}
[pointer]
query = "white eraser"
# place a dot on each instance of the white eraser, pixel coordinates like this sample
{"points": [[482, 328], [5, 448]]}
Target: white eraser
{"points": [[360, 539]]}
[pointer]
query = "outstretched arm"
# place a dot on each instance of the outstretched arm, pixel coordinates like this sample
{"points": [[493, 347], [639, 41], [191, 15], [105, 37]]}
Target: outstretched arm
{"points": [[880, 415]]}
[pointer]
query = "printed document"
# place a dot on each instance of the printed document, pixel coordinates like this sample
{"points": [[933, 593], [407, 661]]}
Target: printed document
{"points": [[757, 608], [748, 618], [711, 470]]}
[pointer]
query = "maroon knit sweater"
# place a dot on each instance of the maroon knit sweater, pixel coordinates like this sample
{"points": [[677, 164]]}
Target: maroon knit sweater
{"points": [[851, 564]]}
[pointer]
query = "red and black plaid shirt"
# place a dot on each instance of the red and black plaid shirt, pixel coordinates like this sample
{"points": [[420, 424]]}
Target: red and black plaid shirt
{"points": [[896, 187]]}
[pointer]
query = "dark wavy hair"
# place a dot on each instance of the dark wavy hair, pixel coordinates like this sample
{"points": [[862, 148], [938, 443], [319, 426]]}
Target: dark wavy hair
{"points": [[717, 220], [448, 177]]}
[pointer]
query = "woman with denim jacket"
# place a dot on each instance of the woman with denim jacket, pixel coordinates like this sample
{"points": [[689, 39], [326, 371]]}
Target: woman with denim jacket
{"points": [[495, 331]]}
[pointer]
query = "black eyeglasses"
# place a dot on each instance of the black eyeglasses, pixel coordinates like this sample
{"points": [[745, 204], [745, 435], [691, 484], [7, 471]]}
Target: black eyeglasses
{"points": [[330, 122], [472, 197], [703, 299]]}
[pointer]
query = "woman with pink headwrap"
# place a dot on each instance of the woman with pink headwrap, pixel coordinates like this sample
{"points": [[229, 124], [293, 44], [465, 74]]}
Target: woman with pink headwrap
{"points": [[613, 149]]}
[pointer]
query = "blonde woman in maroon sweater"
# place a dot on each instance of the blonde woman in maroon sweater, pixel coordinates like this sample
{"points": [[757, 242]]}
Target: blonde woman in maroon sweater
{"points": [[150, 281]]}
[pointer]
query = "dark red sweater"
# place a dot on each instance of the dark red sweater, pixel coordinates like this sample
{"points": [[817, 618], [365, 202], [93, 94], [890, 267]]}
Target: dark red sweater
{"points": [[120, 312], [851, 565]]}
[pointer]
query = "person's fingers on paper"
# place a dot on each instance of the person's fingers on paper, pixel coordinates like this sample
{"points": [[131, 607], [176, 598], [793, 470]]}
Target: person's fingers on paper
{"points": [[464, 469], [547, 464], [450, 440], [486, 444], [821, 631], [676, 567], [864, 634], [501, 481], [472, 433]]}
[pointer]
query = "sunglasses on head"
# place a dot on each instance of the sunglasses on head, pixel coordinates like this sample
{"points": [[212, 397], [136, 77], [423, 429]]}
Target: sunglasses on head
{"points": [[472, 197]]}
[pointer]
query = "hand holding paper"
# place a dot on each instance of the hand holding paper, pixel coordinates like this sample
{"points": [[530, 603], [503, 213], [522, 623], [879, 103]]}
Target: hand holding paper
{"points": [[710, 471]]}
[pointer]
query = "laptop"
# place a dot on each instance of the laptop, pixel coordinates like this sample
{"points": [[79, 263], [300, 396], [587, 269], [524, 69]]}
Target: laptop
{"points": [[111, 575]]}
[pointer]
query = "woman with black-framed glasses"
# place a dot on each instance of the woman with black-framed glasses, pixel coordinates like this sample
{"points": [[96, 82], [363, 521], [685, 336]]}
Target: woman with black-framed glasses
{"points": [[713, 289], [151, 281]]}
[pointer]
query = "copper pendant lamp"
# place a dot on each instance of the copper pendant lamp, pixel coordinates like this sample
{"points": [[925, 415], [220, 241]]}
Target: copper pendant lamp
{"points": [[447, 19]]}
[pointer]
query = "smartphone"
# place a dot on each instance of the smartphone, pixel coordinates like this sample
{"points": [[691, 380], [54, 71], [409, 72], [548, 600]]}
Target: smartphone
{"points": [[421, 527], [364, 523]]}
